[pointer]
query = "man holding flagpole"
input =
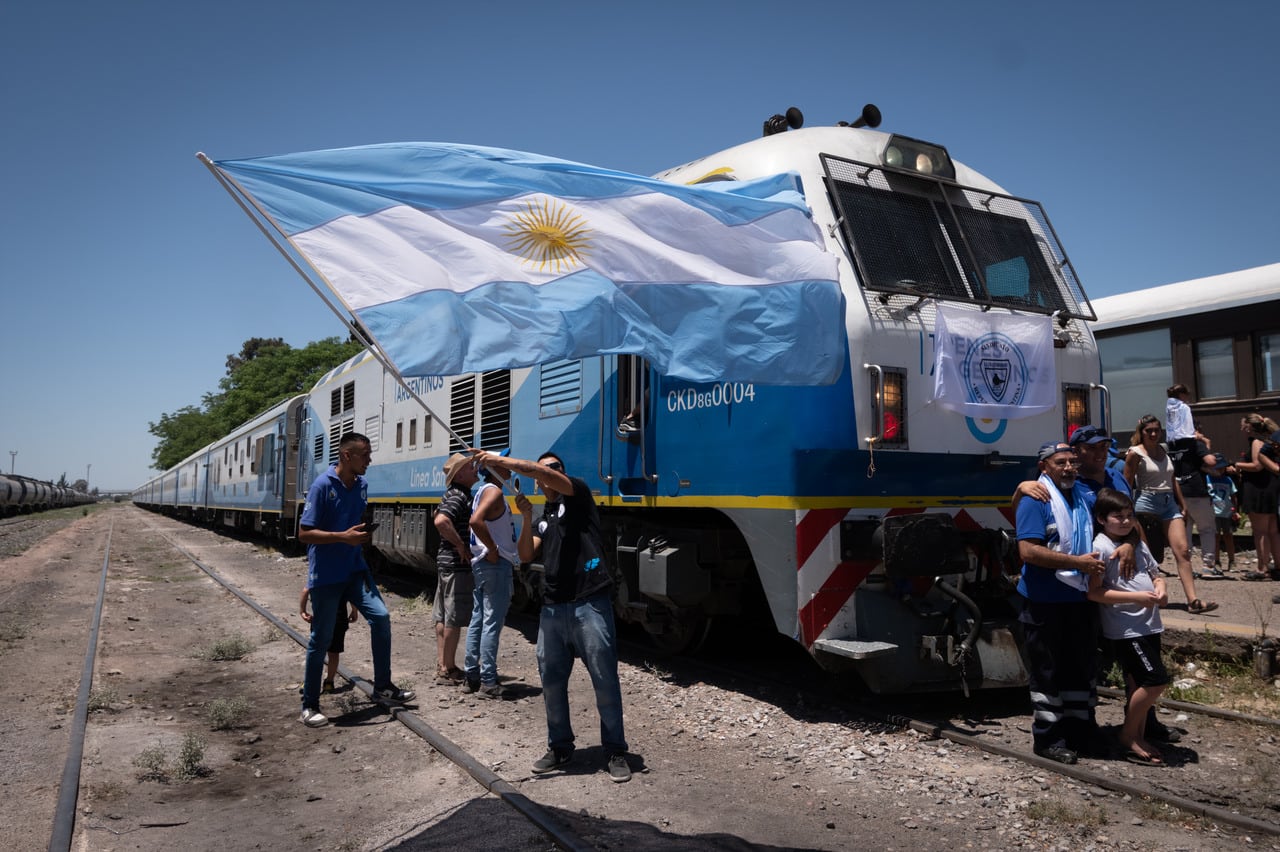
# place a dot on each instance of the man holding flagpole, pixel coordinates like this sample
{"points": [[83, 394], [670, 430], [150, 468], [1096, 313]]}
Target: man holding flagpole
{"points": [[577, 607]]}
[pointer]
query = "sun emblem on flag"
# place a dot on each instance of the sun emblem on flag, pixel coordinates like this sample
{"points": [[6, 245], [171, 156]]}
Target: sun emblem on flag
{"points": [[549, 234]]}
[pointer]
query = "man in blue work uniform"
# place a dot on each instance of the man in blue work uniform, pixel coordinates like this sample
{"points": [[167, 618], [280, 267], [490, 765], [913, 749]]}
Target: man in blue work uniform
{"points": [[333, 530], [1055, 541]]}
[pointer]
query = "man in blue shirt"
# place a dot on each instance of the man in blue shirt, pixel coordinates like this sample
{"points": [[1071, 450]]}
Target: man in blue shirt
{"points": [[333, 529], [1059, 622]]}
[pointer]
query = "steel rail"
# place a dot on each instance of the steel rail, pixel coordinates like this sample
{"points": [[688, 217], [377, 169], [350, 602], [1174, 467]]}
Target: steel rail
{"points": [[64, 815], [1202, 709], [558, 833]]}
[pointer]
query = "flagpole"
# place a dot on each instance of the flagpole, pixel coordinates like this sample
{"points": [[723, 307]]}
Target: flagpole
{"points": [[251, 208]]}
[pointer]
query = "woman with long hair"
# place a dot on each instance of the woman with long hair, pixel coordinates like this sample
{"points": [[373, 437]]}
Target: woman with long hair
{"points": [[1148, 469], [1260, 492]]}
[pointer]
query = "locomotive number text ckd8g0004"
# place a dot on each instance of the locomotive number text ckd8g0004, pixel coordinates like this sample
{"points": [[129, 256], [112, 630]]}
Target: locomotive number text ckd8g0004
{"points": [[727, 393]]}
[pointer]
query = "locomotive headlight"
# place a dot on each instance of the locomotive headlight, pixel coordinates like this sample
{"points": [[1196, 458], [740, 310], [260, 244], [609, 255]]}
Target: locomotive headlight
{"points": [[895, 408], [1075, 405], [922, 158]]}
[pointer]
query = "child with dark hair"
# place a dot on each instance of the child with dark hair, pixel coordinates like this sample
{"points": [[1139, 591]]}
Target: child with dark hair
{"points": [[1222, 492], [1130, 616], [337, 644]]}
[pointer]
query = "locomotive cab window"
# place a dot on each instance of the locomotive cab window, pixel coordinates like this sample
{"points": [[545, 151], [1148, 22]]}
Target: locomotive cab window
{"points": [[928, 237]]}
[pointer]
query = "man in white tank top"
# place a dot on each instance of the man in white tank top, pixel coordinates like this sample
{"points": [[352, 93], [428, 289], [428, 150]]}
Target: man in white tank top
{"points": [[493, 561]]}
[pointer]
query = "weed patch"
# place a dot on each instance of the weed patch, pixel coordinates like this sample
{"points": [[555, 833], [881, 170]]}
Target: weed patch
{"points": [[232, 648], [102, 699], [227, 713], [153, 763]]}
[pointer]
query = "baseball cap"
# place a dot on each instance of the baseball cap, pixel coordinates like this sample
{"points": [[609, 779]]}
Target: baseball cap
{"points": [[1089, 435], [1052, 448]]}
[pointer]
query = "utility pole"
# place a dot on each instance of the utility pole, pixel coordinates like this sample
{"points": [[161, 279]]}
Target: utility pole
{"points": [[87, 468], [13, 454]]}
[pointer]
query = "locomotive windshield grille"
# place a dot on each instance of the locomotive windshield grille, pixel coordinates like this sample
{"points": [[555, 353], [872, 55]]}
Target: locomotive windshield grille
{"points": [[931, 238]]}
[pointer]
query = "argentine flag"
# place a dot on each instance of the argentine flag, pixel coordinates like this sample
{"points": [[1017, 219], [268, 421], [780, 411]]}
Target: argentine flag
{"points": [[458, 258]]}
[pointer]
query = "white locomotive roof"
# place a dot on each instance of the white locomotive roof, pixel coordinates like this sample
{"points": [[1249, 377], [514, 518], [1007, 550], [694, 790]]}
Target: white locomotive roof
{"points": [[798, 150], [1199, 295]]}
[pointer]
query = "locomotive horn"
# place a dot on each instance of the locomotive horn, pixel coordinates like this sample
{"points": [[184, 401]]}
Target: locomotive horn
{"points": [[778, 123], [870, 118]]}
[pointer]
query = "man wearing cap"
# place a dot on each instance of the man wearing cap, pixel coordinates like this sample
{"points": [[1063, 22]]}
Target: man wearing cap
{"points": [[1055, 542], [454, 584], [1092, 445]]}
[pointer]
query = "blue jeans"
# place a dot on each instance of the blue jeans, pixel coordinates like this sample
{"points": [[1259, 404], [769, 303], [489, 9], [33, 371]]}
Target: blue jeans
{"points": [[489, 604], [583, 629], [326, 600]]}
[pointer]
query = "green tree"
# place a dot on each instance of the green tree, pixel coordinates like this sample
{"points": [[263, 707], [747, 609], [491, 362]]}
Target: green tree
{"points": [[180, 434], [265, 371], [62, 480]]}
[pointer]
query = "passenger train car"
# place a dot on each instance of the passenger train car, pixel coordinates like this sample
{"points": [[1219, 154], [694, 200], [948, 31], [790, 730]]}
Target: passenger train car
{"points": [[867, 522], [1219, 336]]}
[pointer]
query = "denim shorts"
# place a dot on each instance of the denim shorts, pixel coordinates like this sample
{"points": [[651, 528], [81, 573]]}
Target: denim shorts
{"points": [[1159, 503]]}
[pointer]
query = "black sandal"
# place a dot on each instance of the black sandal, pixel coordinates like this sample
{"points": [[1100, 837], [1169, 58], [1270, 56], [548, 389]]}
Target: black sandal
{"points": [[1199, 607]]}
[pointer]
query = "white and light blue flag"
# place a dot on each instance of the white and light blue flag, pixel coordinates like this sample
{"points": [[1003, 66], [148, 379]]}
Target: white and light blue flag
{"points": [[993, 365], [458, 258]]}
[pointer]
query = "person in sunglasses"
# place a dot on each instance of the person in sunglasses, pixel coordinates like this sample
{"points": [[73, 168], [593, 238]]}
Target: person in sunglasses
{"points": [[577, 606]]}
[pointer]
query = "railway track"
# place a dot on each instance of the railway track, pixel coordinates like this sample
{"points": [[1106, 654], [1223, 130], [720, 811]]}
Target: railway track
{"points": [[1000, 726], [1204, 792]]}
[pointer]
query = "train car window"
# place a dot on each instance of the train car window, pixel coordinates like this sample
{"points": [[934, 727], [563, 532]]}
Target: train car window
{"points": [[1215, 368], [426, 430], [1266, 361], [413, 433], [1138, 367], [400, 436]]}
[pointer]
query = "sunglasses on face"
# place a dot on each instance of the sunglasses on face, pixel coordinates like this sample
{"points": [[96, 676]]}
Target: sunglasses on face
{"points": [[556, 466]]}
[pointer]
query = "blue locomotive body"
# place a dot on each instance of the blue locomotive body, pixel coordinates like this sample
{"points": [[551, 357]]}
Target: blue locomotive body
{"points": [[863, 519]]}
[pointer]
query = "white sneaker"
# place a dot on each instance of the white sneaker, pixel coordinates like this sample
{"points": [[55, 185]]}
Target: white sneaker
{"points": [[313, 718]]}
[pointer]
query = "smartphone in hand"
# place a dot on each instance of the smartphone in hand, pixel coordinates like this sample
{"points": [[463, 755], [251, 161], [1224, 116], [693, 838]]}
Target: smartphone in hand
{"points": [[371, 526]]}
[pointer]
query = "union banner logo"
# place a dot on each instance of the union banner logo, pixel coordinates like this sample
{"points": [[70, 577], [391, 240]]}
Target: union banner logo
{"points": [[995, 371]]}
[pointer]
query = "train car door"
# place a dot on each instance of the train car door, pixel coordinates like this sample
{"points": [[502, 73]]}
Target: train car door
{"points": [[628, 429]]}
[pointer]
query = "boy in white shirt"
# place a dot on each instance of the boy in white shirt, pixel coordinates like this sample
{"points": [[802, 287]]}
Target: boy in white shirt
{"points": [[1130, 616]]}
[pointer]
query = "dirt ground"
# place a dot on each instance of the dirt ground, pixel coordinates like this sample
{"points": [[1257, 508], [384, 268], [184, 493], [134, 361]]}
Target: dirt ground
{"points": [[717, 767]]}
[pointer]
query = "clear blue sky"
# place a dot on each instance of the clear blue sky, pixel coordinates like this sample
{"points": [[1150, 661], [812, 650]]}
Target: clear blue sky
{"points": [[129, 275]]}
